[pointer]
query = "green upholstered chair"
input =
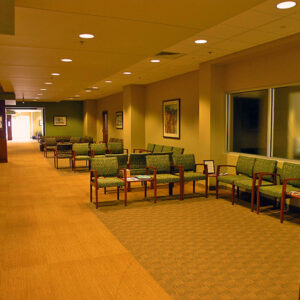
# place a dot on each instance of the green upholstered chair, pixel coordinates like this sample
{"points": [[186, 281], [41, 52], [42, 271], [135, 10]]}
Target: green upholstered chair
{"points": [[250, 184], [137, 163], [63, 151], [158, 148], [160, 169], [149, 149], [121, 158], [80, 152], [74, 140], [289, 181], [98, 149], [243, 170], [116, 148], [49, 145], [105, 173], [167, 149], [177, 150], [86, 139], [190, 173]]}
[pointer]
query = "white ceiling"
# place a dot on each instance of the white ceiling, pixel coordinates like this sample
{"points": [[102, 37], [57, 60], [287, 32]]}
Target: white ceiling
{"points": [[127, 35]]}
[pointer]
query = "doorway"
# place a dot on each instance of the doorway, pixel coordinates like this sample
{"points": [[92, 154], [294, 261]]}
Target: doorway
{"points": [[105, 126]]}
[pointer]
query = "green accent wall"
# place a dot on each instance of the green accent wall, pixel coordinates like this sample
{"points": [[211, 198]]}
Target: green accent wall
{"points": [[72, 109]]}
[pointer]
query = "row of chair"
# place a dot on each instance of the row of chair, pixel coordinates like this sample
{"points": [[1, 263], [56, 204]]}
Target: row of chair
{"points": [[261, 177], [155, 148]]}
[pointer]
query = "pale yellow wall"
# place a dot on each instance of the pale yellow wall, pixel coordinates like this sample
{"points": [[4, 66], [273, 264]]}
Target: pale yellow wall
{"points": [[112, 104], [90, 118], [184, 87], [36, 118]]}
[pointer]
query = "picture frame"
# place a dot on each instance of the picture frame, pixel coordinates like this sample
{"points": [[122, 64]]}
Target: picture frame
{"points": [[119, 120], [210, 166], [60, 120], [171, 118]]}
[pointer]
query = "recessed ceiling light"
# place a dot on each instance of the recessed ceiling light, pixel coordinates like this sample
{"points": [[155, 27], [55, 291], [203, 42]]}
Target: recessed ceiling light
{"points": [[43, 89], [86, 36], [126, 73], [34, 100], [66, 59], [88, 90], [200, 42], [155, 60], [70, 98], [108, 81], [40, 94], [95, 87], [76, 96], [48, 82], [286, 4], [55, 74], [37, 98]]}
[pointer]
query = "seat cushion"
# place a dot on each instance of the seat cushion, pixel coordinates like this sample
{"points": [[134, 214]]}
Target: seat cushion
{"points": [[192, 176], [247, 183], [165, 178], [230, 178], [82, 157], [110, 181], [276, 190]]}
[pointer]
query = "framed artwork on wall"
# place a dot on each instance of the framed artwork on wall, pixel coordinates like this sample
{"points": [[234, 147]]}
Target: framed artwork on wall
{"points": [[210, 166], [60, 120], [171, 118], [119, 119]]}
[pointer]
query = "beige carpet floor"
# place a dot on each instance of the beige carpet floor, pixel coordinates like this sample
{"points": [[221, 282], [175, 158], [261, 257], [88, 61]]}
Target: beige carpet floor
{"points": [[208, 249]]}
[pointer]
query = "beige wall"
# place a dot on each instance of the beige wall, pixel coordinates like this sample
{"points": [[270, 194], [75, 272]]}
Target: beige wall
{"points": [[112, 104], [184, 87], [90, 118]]}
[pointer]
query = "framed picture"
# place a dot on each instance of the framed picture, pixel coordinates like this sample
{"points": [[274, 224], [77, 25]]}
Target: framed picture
{"points": [[60, 120], [119, 120], [171, 118], [210, 166]]}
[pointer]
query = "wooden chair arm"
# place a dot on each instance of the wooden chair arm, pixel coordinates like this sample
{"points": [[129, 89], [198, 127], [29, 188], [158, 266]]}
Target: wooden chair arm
{"points": [[93, 172], [262, 174], [205, 168], [289, 179], [154, 170]]}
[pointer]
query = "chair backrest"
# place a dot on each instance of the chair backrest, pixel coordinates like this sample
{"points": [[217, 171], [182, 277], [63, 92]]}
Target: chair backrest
{"points": [[150, 147], [121, 158], [290, 170], [81, 148], [158, 148], [167, 149], [105, 166], [245, 165], [59, 139], [185, 160], [265, 165], [177, 150], [137, 160], [50, 141], [160, 162], [75, 140], [116, 148], [86, 139], [66, 139], [99, 149]]}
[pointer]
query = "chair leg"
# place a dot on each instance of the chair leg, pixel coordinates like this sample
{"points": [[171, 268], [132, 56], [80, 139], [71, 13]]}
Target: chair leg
{"points": [[282, 203], [125, 195], [217, 189], [96, 198], [171, 189], [252, 198], [155, 190], [118, 193], [257, 202], [194, 186], [105, 190], [91, 193], [145, 187], [206, 187], [232, 193], [238, 192]]}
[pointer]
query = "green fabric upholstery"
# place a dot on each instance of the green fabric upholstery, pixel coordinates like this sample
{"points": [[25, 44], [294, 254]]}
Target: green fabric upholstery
{"points": [[81, 149], [276, 190], [230, 178], [150, 147], [160, 162], [192, 176], [265, 165], [245, 165], [177, 150], [86, 139], [167, 149], [137, 163], [82, 157], [110, 182], [246, 183], [105, 166], [74, 140], [290, 170], [166, 178], [121, 159], [99, 149], [158, 148], [185, 160], [50, 141], [99, 156], [116, 148]]}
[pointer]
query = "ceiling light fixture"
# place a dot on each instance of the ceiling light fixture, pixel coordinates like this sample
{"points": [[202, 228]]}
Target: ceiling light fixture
{"points": [[86, 36], [37, 98], [43, 89], [76, 96], [88, 90], [200, 41], [48, 82], [95, 87], [66, 59], [40, 94], [155, 60], [55, 74], [108, 81], [286, 4], [126, 73], [34, 100], [70, 98]]}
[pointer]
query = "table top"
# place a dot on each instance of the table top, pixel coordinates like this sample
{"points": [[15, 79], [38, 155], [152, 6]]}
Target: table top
{"points": [[138, 179], [294, 194]]}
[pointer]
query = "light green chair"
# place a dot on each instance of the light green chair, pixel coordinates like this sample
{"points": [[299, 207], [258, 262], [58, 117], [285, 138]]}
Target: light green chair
{"points": [[80, 152], [158, 148], [98, 149], [167, 149], [150, 148], [189, 172], [289, 182], [49, 145], [105, 173]]}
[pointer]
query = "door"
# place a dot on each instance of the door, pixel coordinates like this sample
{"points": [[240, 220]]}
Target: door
{"points": [[105, 126], [9, 132], [21, 128]]}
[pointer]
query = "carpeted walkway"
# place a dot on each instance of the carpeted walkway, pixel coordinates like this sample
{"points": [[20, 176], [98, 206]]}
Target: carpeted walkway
{"points": [[208, 249]]}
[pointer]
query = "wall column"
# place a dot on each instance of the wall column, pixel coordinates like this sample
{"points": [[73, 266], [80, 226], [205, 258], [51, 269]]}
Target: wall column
{"points": [[134, 97], [3, 143], [90, 118]]}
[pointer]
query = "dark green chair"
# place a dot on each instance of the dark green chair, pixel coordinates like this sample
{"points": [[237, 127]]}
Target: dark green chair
{"points": [[98, 149], [250, 184], [49, 145], [80, 152], [137, 163], [177, 150], [289, 182], [74, 140], [149, 149], [243, 170], [160, 169], [116, 148], [105, 173], [189, 171], [121, 158]]}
